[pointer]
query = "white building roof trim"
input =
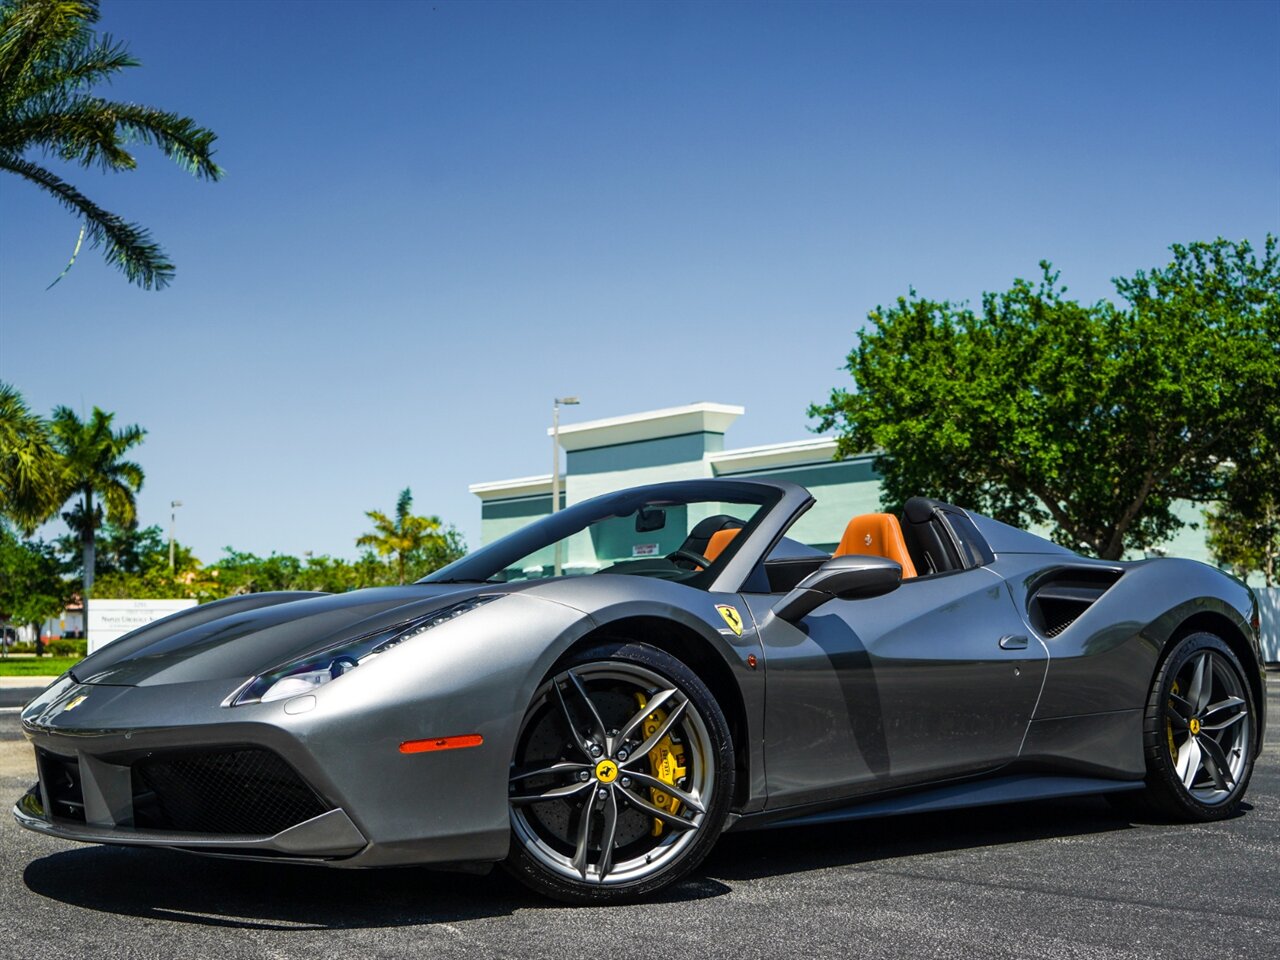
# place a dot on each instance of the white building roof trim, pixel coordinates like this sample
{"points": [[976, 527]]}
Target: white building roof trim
{"points": [[510, 489], [650, 425], [671, 422], [795, 453]]}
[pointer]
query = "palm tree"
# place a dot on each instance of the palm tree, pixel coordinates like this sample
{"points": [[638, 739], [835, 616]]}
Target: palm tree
{"points": [[404, 536], [50, 59], [30, 468], [95, 465]]}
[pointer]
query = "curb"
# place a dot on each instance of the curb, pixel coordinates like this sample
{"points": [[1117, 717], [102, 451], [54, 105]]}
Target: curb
{"points": [[25, 683]]}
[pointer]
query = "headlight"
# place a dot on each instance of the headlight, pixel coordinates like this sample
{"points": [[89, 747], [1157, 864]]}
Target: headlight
{"points": [[303, 676]]}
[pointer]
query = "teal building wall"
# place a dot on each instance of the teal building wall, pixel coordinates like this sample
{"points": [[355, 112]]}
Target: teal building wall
{"points": [[689, 442]]}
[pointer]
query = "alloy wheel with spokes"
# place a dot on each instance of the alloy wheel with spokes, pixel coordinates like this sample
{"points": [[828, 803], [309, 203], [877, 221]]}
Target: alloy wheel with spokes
{"points": [[1208, 727], [621, 775], [1199, 731]]}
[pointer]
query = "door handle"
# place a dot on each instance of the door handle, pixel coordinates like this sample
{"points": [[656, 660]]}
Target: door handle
{"points": [[1011, 642]]}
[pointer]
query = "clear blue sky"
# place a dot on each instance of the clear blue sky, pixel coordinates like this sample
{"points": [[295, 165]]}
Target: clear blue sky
{"points": [[437, 216]]}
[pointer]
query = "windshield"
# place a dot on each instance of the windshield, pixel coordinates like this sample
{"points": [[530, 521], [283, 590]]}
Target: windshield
{"points": [[679, 531]]}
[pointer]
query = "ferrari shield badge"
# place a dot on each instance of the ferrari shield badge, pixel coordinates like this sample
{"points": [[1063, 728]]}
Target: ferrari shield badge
{"points": [[731, 617], [75, 702]]}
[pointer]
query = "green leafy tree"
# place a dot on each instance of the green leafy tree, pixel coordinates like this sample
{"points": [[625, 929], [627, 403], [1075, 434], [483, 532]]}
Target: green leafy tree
{"points": [[150, 584], [133, 563], [131, 549], [240, 572], [1094, 418], [32, 587], [1244, 528], [97, 473], [414, 542], [336, 575], [50, 61], [243, 572], [30, 467], [436, 553]]}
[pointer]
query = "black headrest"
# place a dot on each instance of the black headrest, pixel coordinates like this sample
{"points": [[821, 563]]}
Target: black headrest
{"points": [[920, 509]]}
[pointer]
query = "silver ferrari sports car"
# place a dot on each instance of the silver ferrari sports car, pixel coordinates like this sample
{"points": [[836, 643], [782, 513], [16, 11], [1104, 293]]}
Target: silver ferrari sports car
{"points": [[592, 700]]}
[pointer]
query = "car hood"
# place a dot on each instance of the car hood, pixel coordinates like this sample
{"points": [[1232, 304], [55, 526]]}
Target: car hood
{"points": [[244, 636]]}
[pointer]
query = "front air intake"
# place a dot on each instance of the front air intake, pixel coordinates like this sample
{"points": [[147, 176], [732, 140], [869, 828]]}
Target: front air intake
{"points": [[239, 791], [60, 778]]}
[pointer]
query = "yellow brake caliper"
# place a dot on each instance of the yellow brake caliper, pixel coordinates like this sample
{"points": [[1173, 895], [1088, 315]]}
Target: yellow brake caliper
{"points": [[1168, 727], [666, 763]]}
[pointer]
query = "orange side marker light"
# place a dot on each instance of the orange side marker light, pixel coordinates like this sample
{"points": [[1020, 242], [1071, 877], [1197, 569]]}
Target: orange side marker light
{"points": [[442, 743]]}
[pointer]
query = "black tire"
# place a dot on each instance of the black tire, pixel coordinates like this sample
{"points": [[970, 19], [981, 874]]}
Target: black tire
{"points": [[1167, 794], [710, 742]]}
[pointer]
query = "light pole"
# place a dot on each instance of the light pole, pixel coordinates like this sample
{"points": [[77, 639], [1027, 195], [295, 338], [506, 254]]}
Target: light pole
{"points": [[555, 461], [173, 523]]}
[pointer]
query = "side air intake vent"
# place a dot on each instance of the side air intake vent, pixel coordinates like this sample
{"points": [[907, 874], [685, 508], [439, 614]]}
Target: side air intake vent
{"points": [[1059, 599]]}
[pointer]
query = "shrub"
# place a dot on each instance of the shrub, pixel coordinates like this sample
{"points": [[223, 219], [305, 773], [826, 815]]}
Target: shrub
{"points": [[67, 648]]}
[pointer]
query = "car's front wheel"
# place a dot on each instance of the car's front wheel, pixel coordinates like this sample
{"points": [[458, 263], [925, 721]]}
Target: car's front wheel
{"points": [[622, 776], [1200, 731]]}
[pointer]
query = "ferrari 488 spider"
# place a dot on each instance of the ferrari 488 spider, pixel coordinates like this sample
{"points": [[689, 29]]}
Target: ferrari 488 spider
{"points": [[594, 699]]}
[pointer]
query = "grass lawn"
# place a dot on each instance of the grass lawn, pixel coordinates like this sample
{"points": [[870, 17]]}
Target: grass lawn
{"points": [[36, 666]]}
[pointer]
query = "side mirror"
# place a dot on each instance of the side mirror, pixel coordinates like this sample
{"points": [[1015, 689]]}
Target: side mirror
{"points": [[840, 578]]}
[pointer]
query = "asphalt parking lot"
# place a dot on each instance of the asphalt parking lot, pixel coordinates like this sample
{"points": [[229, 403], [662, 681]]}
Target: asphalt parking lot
{"points": [[1051, 879]]}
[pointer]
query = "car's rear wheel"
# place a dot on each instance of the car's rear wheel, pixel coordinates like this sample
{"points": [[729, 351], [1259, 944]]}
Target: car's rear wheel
{"points": [[622, 776], [1199, 732]]}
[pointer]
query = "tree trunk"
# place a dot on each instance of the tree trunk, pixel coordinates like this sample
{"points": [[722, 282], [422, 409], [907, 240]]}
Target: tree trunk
{"points": [[1112, 551], [87, 544]]}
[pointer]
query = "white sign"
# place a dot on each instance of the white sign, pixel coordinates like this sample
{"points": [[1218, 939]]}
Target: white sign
{"points": [[111, 619], [645, 550]]}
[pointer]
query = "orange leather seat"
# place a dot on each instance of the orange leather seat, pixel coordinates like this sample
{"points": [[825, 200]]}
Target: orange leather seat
{"points": [[719, 540], [877, 535]]}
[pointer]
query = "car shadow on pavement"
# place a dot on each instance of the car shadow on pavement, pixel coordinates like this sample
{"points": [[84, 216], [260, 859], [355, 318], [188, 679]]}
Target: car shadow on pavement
{"points": [[754, 854], [173, 886], [168, 885]]}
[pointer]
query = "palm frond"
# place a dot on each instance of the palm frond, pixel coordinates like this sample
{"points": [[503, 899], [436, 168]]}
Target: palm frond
{"points": [[121, 505], [31, 472], [50, 57], [77, 66], [178, 138], [77, 130], [384, 529], [125, 438], [31, 30], [128, 245]]}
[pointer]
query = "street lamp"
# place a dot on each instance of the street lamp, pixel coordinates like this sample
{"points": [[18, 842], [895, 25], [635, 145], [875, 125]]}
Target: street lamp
{"points": [[555, 447], [555, 461], [173, 523]]}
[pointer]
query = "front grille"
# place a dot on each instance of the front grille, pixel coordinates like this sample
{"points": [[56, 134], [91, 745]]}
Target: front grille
{"points": [[241, 791]]}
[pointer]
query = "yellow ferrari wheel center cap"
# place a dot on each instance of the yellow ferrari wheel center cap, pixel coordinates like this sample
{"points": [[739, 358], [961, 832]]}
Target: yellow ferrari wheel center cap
{"points": [[1194, 725], [606, 771]]}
